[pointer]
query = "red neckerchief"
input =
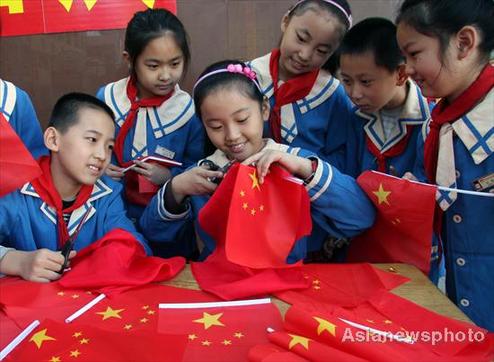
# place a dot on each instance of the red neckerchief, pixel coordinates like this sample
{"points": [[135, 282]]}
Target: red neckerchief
{"points": [[447, 113], [130, 120], [289, 92], [396, 150], [46, 190]]}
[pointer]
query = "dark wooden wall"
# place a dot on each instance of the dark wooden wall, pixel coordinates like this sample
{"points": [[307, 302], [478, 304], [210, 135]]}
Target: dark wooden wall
{"points": [[47, 66]]}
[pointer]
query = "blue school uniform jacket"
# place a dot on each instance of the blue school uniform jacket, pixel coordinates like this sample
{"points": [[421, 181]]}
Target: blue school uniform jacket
{"points": [[18, 110], [317, 122], [339, 208], [28, 223], [171, 130], [414, 113], [468, 223]]}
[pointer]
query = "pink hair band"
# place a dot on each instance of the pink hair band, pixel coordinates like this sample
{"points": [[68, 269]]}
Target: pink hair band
{"points": [[335, 4], [232, 68]]}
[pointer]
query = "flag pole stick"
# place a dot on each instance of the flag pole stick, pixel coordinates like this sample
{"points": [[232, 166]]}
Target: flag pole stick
{"points": [[17, 340], [85, 308]]}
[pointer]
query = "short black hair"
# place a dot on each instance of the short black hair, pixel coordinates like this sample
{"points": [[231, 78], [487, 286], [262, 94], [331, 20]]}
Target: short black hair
{"points": [[151, 24], [65, 113], [442, 19], [375, 35]]}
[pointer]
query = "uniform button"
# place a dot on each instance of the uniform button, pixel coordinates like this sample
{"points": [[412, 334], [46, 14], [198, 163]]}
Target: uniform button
{"points": [[465, 302], [457, 173], [460, 261], [457, 218]]}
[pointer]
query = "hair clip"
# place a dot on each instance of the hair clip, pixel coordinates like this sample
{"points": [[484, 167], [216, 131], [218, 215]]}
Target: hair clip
{"points": [[237, 68]]}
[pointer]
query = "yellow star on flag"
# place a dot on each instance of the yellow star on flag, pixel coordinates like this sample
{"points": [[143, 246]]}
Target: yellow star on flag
{"points": [[61, 294], [245, 206], [149, 3], [192, 336], [238, 335], [255, 181], [77, 334], [382, 195], [242, 193], [75, 353], [84, 341], [128, 326], [55, 359], [210, 320], [324, 325], [40, 337], [226, 342], [303, 341], [206, 343], [143, 320], [111, 313]]}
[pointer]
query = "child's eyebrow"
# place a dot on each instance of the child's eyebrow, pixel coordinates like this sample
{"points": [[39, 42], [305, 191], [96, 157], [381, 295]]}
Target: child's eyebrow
{"points": [[240, 110], [407, 45]]}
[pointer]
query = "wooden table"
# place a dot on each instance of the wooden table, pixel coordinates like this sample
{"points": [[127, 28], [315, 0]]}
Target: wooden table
{"points": [[419, 290]]}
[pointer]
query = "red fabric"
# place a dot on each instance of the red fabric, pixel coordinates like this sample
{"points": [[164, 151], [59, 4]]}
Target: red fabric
{"points": [[257, 224], [133, 181], [229, 336], [402, 232], [310, 349], [47, 191], [444, 112], [269, 352], [16, 163], [118, 262], [9, 329], [289, 92], [54, 341], [341, 284], [230, 281], [394, 151]]}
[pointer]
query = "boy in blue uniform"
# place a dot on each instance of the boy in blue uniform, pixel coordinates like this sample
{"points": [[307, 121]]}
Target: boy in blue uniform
{"points": [[72, 199], [389, 109], [18, 110]]}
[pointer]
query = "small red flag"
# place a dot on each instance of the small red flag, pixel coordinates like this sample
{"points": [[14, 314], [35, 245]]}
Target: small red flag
{"points": [[57, 342], [17, 165], [269, 352], [118, 262], [220, 333], [402, 232], [258, 224], [344, 285]]}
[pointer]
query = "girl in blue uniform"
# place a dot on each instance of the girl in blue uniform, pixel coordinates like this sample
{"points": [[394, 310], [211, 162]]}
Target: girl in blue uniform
{"points": [[389, 108], [309, 107], [233, 110], [18, 110], [447, 45], [153, 115], [72, 199]]}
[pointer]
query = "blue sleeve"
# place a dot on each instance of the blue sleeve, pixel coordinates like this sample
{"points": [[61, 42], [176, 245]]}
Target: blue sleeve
{"points": [[116, 216], [158, 224], [418, 167], [6, 218], [355, 142], [338, 204], [195, 145], [26, 124]]}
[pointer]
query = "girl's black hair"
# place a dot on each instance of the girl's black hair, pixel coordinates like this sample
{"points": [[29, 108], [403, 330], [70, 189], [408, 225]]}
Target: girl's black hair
{"points": [[301, 7], [220, 81], [442, 19], [150, 24], [377, 36]]}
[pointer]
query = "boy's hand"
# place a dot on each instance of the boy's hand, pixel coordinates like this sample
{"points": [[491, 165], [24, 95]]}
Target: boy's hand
{"points": [[298, 166], [114, 172], [196, 181], [155, 173], [38, 266]]}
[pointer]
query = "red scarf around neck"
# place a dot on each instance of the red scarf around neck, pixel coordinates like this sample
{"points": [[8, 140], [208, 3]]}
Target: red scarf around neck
{"points": [[289, 92], [130, 120], [47, 191], [394, 151], [448, 113]]}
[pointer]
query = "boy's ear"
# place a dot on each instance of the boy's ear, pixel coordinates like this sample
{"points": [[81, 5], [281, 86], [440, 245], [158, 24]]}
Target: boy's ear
{"points": [[466, 40], [52, 139], [402, 75], [265, 109]]}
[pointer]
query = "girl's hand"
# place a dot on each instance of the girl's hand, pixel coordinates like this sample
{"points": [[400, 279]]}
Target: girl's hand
{"points": [[114, 172], [409, 176], [298, 166], [155, 173], [196, 181]]}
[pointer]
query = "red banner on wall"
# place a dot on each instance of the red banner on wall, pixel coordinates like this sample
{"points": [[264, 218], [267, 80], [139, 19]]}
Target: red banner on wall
{"points": [[23, 17]]}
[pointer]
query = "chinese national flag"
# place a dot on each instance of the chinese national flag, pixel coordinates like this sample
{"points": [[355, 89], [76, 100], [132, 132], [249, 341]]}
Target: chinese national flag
{"points": [[310, 349], [57, 342], [341, 284], [17, 165], [221, 333], [402, 232], [118, 262], [269, 352], [258, 224]]}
